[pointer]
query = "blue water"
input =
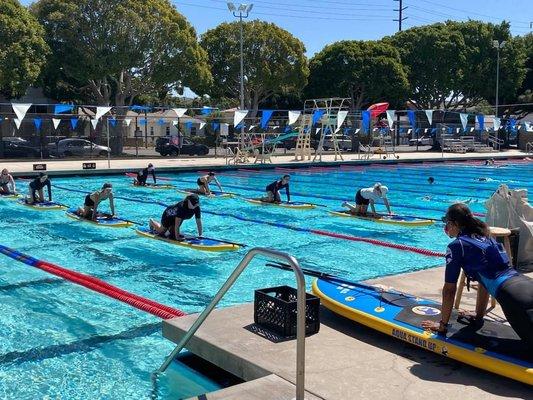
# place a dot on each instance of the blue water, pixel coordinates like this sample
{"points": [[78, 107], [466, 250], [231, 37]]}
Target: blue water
{"points": [[60, 340]]}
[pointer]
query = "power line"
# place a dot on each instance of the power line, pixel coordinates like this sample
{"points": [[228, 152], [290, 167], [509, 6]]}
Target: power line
{"points": [[258, 3]]}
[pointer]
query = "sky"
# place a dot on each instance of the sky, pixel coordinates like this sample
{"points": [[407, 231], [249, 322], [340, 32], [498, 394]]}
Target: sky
{"points": [[320, 22]]}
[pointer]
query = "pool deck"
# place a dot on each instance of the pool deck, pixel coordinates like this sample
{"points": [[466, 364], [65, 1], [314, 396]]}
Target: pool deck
{"points": [[113, 166], [344, 360]]}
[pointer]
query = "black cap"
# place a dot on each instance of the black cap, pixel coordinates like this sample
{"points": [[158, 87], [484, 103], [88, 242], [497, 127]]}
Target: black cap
{"points": [[193, 198], [107, 185]]}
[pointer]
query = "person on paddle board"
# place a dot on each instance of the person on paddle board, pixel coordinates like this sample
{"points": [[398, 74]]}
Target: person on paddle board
{"points": [[7, 183], [174, 215], [483, 260], [35, 189], [272, 190], [204, 181], [366, 196], [142, 175], [93, 200]]}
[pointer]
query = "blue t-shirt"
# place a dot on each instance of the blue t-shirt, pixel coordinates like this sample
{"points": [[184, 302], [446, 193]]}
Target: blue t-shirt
{"points": [[461, 254]]}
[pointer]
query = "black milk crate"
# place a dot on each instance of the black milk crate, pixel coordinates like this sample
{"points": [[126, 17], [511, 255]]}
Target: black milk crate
{"points": [[275, 310]]}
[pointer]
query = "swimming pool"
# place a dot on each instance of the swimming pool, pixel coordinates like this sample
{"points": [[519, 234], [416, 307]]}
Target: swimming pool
{"points": [[62, 341]]}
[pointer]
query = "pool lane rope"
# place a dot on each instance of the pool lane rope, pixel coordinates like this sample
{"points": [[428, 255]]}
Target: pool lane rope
{"points": [[352, 238], [97, 285]]}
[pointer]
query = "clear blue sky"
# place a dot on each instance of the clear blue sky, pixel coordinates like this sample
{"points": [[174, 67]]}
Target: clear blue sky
{"points": [[319, 22]]}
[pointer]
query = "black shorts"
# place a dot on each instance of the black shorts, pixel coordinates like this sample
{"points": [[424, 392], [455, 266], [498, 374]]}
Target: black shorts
{"points": [[142, 179], [167, 221], [360, 200], [200, 182], [88, 201], [515, 296], [4, 186]]}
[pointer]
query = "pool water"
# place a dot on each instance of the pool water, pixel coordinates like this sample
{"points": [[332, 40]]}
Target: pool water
{"points": [[60, 340]]}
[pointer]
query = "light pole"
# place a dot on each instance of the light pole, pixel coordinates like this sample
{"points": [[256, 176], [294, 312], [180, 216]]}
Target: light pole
{"points": [[498, 45], [242, 11]]}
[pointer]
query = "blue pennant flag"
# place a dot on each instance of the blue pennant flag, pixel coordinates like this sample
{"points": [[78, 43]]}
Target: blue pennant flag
{"points": [[113, 122], [481, 122], [433, 131], [288, 129], [239, 127], [142, 121], [412, 118], [188, 125], [206, 110], [512, 124], [317, 114], [161, 121], [73, 123], [450, 130], [215, 126], [265, 117], [366, 121], [139, 108], [61, 108], [346, 131], [38, 122]]}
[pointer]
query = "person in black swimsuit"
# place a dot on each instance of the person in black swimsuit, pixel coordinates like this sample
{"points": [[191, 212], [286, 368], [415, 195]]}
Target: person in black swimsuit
{"points": [[174, 215], [90, 205], [7, 183], [142, 175], [272, 190], [204, 181], [35, 189]]}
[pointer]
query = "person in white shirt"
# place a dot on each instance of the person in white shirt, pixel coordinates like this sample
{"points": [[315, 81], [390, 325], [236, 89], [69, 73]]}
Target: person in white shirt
{"points": [[367, 196]]}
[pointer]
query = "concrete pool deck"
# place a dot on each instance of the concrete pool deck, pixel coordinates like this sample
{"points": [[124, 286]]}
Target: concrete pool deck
{"points": [[103, 166], [344, 360]]}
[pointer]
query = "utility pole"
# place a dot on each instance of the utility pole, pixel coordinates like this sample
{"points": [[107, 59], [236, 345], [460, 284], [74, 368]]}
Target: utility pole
{"points": [[400, 19]]}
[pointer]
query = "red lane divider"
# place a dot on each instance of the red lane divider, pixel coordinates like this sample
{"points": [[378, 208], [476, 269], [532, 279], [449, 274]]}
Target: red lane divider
{"points": [[379, 243]]}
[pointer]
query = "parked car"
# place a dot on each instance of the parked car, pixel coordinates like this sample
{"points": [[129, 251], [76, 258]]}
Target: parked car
{"points": [[164, 147], [77, 147], [422, 141], [16, 147]]}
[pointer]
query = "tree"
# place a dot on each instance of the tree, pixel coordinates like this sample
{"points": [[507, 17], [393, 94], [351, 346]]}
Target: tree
{"points": [[22, 49], [368, 71], [274, 61]]}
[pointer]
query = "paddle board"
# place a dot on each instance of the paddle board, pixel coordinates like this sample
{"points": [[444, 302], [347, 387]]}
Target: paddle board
{"points": [[212, 195], [100, 220], [155, 186], [387, 219], [293, 204], [10, 196], [44, 206], [493, 346], [190, 241]]}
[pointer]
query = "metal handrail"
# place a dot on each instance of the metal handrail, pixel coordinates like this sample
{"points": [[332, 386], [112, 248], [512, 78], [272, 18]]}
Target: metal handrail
{"points": [[300, 307]]}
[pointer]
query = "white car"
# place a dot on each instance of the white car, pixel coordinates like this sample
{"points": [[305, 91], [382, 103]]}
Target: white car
{"points": [[422, 141], [344, 142]]}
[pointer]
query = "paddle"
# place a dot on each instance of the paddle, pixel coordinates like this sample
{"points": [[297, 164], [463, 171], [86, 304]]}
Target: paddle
{"points": [[224, 241]]}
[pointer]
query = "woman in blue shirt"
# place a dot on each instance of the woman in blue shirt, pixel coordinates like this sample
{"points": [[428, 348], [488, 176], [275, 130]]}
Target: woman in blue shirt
{"points": [[483, 260]]}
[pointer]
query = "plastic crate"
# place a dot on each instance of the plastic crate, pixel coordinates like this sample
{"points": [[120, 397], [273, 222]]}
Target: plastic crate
{"points": [[275, 310]]}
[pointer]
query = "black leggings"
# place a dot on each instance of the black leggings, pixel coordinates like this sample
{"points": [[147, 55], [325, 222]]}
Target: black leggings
{"points": [[515, 296]]}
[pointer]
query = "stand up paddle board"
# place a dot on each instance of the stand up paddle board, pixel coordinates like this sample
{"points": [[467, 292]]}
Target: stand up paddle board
{"points": [[154, 186], [491, 346], [192, 242], [43, 206], [113, 222], [387, 219], [10, 196], [213, 194], [293, 204]]}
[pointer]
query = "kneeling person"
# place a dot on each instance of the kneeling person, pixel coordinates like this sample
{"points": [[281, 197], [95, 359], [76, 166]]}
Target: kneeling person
{"points": [[35, 192], [93, 200], [174, 216], [367, 196], [272, 190], [142, 175]]}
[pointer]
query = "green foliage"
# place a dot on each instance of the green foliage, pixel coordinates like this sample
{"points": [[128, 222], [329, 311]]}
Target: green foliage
{"points": [[274, 61], [22, 49], [371, 71], [110, 51], [527, 45]]}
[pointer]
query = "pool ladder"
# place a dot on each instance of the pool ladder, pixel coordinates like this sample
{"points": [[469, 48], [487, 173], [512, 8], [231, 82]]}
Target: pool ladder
{"points": [[300, 307]]}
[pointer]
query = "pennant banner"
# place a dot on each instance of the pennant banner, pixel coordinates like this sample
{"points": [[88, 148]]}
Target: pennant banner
{"points": [[357, 130], [412, 118], [188, 125], [318, 130], [215, 126], [94, 122], [17, 122], [74, 123], [341, 116], [265, 117], [100, 111], [142, 121], [61, 108], [175, 122], [20, 110], [202, 124], [239, 116], [206, 110], [481, 122], [55, 122], [366, 121], [293, 116], [38, 122], [317, 114], [113, 122], [497, 122], [390, 117], [464, 120], [161, 121], [180, 112], [429, 115], [127, 121], [251, 127]]}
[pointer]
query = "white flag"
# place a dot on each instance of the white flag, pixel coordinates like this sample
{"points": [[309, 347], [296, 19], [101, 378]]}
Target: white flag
{"points": [[341, 116], [409, 130], [458, 130], [239, 116], [100, 111], [17, 122], [318, 130], [20, 110], [464, 119], [472, 129], [357, 130], [202, 124], [293, 116], [127, 121], [94, 122], [251, 127], [56, 122], [426, 130], [497, 122], [180, 112], [429, 115], [175, 122], [390, 117]]}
